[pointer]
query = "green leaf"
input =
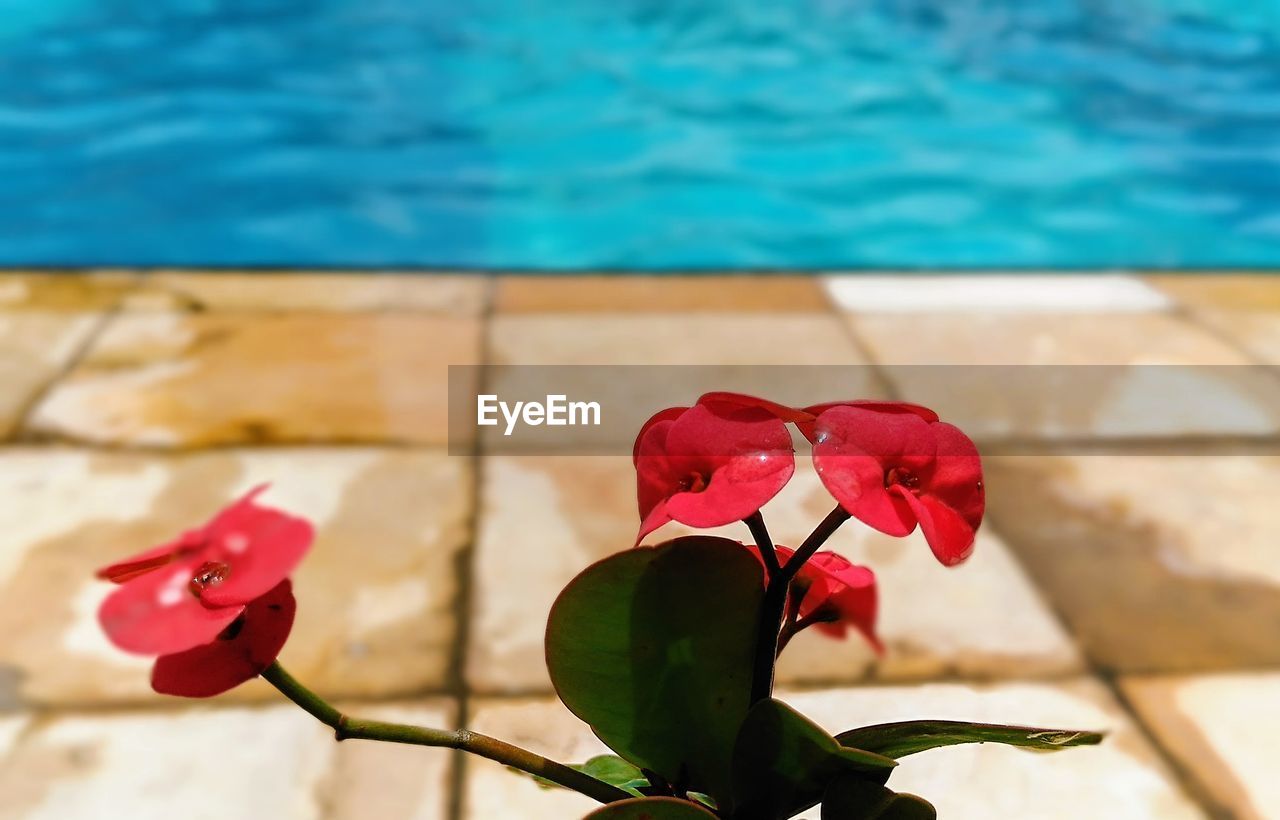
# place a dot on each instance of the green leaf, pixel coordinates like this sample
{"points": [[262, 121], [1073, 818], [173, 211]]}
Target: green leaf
{"points": [[651, 808], [901, 739], [609, 768], [851, 798], [783, 762], [653, 648]]}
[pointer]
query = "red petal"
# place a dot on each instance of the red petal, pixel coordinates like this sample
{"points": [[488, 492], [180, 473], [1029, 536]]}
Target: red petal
{"points": [[227, 662], [851, 590], [807, 428], [716, 434], [655, 518], [261, 547], [741, 400], [949, 535], [735, 491], [957, 474], [140, 564], [156, 614], [670, 414], [853, 451]]}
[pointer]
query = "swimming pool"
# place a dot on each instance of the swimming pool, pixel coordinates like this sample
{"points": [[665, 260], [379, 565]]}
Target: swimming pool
{"points": [[640, 133]]}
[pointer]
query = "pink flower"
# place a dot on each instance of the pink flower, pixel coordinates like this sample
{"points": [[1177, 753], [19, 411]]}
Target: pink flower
{"points": [[896, 469], [238, 654], [834, 595], [205, 587], [710, 464]]}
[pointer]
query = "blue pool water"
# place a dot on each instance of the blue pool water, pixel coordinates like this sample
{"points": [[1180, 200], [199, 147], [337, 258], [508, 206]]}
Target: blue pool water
{"points": [[640, 133]]}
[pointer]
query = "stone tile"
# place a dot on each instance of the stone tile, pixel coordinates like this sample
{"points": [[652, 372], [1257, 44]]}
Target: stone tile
{"points": [[207, 763], [34, 348], [1243, 309], [373, 779], [544, 520], [1221, 730], [1257, 291], [673, 339], [11, 728], [1255, 332], [493, 792], [62, 292], [1121, 780], [994, 293], [1066, 376], [375, 596], [459, 295], [649, 361], [658, 294], [169, 379], [1157, 562]]}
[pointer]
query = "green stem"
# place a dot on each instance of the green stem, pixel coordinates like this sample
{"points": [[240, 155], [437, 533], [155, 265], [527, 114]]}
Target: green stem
{"points": [[774, 605], [346, 727]]}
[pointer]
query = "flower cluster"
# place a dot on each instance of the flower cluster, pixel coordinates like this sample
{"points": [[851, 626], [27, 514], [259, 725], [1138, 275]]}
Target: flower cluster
{"points": [[892, 465], [215, 604]]}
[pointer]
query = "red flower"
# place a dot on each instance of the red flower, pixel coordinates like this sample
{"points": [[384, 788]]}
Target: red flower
{"points": [[710, 464], [240, 652], [835, 594], [804, 418], [896, 469], [209, 587]]}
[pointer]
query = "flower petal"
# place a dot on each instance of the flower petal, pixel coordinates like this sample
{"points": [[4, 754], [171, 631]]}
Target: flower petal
{"points": [[806, 428], [949, 535], [261, 547], [230, 660], [156, 614], [668, 415], [854, 449], [957, 474], [742, 400], [735, 491]]}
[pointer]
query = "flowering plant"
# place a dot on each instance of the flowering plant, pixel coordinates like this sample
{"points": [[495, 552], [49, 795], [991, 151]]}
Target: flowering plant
{"points": [[666, 651]]}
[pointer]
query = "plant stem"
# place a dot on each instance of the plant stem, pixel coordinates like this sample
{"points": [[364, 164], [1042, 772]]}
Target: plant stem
{"points": [[346, 727], [774, 605], [755, 522]]}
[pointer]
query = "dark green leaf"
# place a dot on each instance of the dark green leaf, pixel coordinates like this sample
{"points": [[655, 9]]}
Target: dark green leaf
{"points": [[609, 768], [783, 762], [653, 648], [852, 798], [901, 739], [651, 808]]}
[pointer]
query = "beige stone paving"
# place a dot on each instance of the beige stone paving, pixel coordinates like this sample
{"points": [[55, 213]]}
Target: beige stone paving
{"points": [[218, 763], [172, 379], [544, 519], [70, 292], [1121, 780], [1073, 375], [375, 597], [1157, 562], [35, 346], [1244, 309], [455, 295], [1221, 729], [658, 294]]}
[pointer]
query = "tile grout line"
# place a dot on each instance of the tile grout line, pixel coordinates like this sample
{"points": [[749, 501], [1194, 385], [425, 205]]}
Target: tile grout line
{"points": [[464, 574], [21, 430], [1110, 681], [880, 376]]}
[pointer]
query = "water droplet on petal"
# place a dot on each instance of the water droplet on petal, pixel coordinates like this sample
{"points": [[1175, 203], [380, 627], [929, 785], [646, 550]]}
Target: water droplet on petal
{"points": [[209, 574]]}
